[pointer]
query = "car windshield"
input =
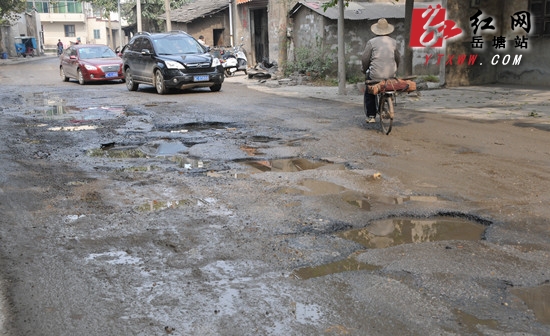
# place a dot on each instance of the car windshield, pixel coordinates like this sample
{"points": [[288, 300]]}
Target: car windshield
{"points": [[175, 45], [96, 52]]}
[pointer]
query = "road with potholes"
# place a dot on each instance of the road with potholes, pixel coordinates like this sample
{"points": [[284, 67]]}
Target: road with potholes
{"points": [[244, 212]]}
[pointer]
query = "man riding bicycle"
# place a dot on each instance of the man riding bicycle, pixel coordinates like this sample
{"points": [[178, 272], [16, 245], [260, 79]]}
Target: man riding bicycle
{"points": [[381, 57]]}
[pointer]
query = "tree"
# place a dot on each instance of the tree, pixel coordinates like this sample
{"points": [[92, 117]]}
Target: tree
{"points": [[9, 10], [151, 11], [107, 7], [341, 43], [333, 3], [407, 62], [408, 56]]}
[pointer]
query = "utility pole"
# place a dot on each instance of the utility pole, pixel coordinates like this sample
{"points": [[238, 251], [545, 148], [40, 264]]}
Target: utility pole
{"points": [[341, 50], [120, 24], [138, 15], [168, 19], [231, 23]]}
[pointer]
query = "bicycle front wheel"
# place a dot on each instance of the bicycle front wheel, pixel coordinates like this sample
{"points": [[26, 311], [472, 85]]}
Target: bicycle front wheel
{"points": [[385, 111]]}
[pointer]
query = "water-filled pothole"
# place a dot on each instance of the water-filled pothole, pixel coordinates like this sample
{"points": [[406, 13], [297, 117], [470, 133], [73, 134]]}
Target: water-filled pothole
{"points": [[118, 153], [75, 114], [194, 126], [397, 231], [291, 165], [164, 148], [537, 299]]}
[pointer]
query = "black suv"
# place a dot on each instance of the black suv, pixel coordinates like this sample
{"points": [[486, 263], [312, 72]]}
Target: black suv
{"points": [[170, 60]]}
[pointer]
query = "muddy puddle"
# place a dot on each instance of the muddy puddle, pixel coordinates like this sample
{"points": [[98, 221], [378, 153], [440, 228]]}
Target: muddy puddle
{"points": [[290, 165], [345, 265], [312, 187], [471, 324], [397, 231], [537, 300]]}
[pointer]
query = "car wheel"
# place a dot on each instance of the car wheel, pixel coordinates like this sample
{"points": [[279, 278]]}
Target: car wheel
{"points": [[81, 80], [216, 87], [159, 83], [130, 84], [62, 74]]}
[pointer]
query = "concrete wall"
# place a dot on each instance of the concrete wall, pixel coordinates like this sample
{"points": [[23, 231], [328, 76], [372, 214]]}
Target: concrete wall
{"points": [[206, 26], [311, 28], [534, 68]]}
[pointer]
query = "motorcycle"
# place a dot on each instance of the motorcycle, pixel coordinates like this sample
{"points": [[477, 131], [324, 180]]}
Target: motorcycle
{"points": [[242, 62], [229, 62], [235, 60]]}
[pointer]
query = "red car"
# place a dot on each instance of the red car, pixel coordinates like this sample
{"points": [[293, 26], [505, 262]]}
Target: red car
{"points": [[90, 63]]}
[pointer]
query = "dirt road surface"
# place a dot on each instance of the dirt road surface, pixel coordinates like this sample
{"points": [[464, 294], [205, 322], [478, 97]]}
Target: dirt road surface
{"points": [[245, 212]]}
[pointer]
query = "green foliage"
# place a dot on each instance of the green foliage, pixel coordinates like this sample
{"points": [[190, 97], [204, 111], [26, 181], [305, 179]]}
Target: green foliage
{"points": [[151, 10], [333, 3], [355, 78], [309, 60], [431, 78], [9, 10]]}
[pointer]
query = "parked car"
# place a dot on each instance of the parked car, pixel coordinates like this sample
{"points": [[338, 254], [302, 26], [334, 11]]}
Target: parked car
{"points": [[90, 62], [173, 60]]}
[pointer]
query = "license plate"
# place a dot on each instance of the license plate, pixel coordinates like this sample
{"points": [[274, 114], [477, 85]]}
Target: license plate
{"points": [[202, 78], [111, 74]]}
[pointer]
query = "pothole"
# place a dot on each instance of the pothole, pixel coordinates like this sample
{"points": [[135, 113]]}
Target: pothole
{"points": [[312, 187], [470, 324], [264, 139], [345, 265], [536, 298], [397, 231], [118, 153], [290, 165], [155, 205], [164, 148], [251, 151], [55, 110], [195, 126]]}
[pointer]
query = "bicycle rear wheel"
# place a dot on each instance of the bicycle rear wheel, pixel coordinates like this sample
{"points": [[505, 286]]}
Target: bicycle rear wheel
{"points": [[385, 112]]}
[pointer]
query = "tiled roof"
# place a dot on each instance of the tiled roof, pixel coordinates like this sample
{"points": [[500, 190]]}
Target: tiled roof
{"points": [[356, 10], [197, 9]]}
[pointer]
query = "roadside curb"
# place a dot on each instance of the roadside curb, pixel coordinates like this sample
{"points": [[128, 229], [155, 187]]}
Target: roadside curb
{"points": [[21, 59], [486, 102]]}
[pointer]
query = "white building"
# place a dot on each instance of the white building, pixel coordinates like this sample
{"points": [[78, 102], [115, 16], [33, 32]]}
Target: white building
{"points": [[70, 20]]}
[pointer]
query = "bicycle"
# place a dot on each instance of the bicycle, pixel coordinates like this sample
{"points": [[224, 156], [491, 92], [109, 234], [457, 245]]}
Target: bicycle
{"points": [[385, 99]]}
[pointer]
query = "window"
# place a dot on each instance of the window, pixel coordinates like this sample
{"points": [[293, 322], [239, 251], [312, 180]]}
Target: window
{"points": [[60, 6], [70, 31], [540, 16], [97, 34]]}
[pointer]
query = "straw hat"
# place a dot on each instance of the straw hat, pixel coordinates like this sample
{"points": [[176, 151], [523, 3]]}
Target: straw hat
{"points": [[382, 27]]}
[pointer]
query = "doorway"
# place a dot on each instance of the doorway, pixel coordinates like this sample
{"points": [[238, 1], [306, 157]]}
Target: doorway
{"points": [[260, 39]]}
